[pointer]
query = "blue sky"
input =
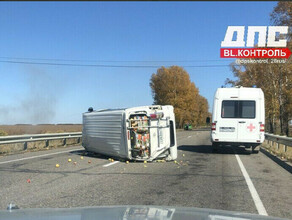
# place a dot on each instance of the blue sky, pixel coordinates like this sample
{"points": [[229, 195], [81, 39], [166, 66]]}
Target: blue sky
{"points": [[109, 31]]}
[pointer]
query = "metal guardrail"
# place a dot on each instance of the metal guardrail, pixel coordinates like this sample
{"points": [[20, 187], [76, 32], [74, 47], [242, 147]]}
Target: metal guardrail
{"points": [[13, 139], [279, 139], [54, 136]]}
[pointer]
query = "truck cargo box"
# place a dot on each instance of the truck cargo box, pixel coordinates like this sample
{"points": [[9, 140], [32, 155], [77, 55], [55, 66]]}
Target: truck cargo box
{"points": [[139, 133]]}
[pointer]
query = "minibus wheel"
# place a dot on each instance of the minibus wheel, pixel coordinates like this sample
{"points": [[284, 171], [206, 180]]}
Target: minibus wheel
{"points": [[215, 147], [255, 150]]}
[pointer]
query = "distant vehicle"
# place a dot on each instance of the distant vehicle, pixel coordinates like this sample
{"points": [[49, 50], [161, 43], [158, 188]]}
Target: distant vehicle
{"points": [[139, 133], [208, 120], [238, 118], [188, 126]]}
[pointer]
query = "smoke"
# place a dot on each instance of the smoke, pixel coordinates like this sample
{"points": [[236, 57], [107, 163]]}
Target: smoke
{"points": [[37, 105]]}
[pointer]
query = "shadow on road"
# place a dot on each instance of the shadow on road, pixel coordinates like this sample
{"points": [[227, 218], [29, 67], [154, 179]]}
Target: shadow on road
{"points": [[198, 129], [207, 149], [90, 154]]}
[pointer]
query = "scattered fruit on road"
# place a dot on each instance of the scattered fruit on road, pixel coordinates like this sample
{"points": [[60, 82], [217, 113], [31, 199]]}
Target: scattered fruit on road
{"points": [[69, 160], [57, 165], [183, 155], [127, 162], [145, 165], [81, 158], [145, 161], [28, 180], [89, 161], [75, 163]]}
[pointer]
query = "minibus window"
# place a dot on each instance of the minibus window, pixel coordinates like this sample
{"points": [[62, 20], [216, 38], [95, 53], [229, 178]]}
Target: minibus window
{"points": [[247, 109], [238, 109], [171, 127], [229, 109]]}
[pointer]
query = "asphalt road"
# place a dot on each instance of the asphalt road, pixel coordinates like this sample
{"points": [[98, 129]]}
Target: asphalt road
{"points": [[201, 179]]}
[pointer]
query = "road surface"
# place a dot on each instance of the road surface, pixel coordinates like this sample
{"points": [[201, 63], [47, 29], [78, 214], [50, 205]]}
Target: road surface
{"points": [[230, 179]]}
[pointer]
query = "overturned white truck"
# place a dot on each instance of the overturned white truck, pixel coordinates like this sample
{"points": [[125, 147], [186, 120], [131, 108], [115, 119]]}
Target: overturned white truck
{"points": [[140, 133]]}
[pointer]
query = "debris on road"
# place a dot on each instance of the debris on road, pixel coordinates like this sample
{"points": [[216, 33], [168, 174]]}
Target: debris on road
{"points": [[57, 165], [81, 158], [89, 161], [75, 163], [28, 180], [183, 155], [127, 162], [69, 160]]}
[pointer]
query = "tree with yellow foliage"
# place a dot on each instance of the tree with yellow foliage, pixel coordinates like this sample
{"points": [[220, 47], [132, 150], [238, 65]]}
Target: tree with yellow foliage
{"points": [[275, 79], [172, 86]]}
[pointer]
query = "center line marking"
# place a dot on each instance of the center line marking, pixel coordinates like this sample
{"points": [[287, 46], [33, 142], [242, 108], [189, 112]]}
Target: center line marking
{"points": [[109, 164], [254, 194]]}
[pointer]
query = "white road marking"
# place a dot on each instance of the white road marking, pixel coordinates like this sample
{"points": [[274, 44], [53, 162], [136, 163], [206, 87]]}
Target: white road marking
{"points": [[255, 196], [109, 164], [44, 155], [189, 136]]}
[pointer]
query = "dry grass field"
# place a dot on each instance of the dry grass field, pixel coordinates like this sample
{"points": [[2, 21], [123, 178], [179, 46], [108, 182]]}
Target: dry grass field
{"points": [[20, 129]]}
